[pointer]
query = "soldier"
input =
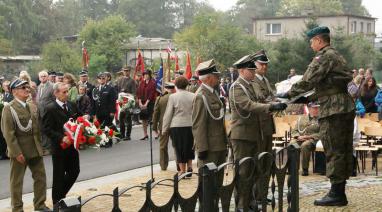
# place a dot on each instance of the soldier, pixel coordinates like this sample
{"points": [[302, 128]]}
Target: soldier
{"points": [[19, 123], [193, 86], [208, 119], [329, 76], [246, 132], [306, 134], [60, 77], [52, 76], [159, 109]]}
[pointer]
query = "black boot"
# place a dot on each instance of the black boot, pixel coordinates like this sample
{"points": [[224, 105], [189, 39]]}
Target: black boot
{"points": [[354, 174], [335, 197], [305, 172]]}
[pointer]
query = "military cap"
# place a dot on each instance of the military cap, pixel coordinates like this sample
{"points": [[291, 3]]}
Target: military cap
{"points": [[83, 73], [194, 78], [17, 83], [100, 75], [169, 85], [60, 74], [52, 73], [207, 67], [317, 31], [261, 57], [245, 62]]}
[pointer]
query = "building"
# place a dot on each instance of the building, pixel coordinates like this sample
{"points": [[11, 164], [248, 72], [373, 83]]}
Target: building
{"points": [[274, 28], [11, 65]]}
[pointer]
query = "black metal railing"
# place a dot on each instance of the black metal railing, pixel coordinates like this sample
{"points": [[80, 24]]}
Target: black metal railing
{"points": [[274, 173]]}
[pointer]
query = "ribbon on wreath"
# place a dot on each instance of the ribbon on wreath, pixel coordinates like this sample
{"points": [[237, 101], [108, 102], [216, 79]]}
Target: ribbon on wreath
{"points": [[74, 133]]}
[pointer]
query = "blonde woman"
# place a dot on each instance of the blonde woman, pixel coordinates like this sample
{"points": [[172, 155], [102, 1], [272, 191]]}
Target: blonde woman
{"points": [[70, 81]]}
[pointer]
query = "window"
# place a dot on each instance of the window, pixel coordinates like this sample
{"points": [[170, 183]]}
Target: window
{"points": [[368, 28], [354, 27], [361, 27], [273, 29]]}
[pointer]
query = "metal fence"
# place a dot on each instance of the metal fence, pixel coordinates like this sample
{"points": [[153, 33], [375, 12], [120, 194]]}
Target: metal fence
{"points": [[280, 167]]}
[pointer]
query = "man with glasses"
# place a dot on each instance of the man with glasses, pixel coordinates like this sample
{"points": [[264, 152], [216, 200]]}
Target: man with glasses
{"points": [[19, 123], [246, 132], [328, 75]]}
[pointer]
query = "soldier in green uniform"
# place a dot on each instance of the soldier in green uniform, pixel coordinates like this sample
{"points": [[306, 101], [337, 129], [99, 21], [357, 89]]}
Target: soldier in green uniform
{"points": [[246, 131], [159, 109], [193, 86], [19, 123], [208, 119], [329, 76], [306, 134]]}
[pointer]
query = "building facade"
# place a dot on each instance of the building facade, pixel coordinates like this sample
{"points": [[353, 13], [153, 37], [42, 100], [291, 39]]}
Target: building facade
{"points": [[275, 28]]}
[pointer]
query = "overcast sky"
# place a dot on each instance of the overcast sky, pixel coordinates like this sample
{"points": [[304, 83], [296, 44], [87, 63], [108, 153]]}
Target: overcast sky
{"points": [[374, 7]]}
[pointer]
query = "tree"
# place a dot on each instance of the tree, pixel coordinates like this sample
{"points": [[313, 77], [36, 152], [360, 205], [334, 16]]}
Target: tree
{"points": [[97, 64], [59, 56], [305, 7], [106, 37], [354, 7]]}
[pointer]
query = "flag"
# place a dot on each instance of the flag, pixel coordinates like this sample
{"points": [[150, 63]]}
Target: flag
{"points": [[85, 57], [159, 78], [188, 74], [140, 65], [168, 71], [168, 49], [176, 62]]}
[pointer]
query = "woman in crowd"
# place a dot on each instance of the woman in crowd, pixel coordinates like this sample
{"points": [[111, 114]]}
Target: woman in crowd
{"points": [[368, 92], [70, 80], [146, 95], [177, 121], [24, 75], [83, 100]]}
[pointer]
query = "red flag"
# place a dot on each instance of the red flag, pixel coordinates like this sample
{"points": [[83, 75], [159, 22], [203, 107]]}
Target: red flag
{"points": [[140, 65], [85, 58], [188, 66], [176, 63]]}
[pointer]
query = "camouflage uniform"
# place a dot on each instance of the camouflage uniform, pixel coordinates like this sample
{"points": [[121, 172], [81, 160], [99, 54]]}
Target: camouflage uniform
{"points": [[329, 76], [306, 126]]}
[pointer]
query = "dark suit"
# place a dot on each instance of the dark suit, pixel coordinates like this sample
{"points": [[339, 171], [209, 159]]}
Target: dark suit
{"points": [[7, 97], [105, 104], [89, 93], [66, 165]]}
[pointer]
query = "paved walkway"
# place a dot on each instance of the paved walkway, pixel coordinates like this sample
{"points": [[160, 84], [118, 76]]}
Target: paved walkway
{"points": [[364, 192]]}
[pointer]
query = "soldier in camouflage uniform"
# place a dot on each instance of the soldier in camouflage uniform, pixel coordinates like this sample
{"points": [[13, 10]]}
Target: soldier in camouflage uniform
{"points": [[246, 131], [306, 134], [329, 76]]}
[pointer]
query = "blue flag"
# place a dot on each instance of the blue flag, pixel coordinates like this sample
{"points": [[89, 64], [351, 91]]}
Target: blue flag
{"points": [[159, 78]]}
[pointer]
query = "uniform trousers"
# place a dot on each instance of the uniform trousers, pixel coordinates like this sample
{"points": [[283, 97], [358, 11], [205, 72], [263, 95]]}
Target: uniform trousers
{"points": [[163, 151], [105, 119], [125, 124], [306, 151], [66, 168], [336, 133], [36, 165]]}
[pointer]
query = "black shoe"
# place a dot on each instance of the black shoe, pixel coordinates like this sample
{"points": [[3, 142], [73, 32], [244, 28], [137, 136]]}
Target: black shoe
{"points": [[128, 138], [4, 157], [144, 138], [335, 197], [190, 174], [44, 209], [305, 172]]}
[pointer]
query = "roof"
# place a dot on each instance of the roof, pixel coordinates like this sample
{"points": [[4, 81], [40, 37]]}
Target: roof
{"points": [[149, 43], [20, 57], [305, 16]]}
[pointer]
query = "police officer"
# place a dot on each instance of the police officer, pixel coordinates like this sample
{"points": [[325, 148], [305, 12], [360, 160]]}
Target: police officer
{"points": [[246, 131], [159, 109], [306, 134], [208, 119], [329, 76], [19, 123]]}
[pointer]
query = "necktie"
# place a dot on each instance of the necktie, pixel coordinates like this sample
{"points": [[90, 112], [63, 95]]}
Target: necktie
{"points": [[65, 108]]}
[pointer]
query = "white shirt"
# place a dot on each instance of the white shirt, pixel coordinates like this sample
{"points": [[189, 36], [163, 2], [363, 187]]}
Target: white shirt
{"points": [[24, 104], [62, 104], [259, 77]]}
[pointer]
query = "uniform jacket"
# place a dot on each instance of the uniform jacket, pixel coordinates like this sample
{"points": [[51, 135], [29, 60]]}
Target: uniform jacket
{"points": [[209, 134], [306, 126], [326, 72], [27, 143], [178, 111], [53, 122], [264, 95], [105, 104], [126, 85], [242, 106], [159, 109], [193, 88]]}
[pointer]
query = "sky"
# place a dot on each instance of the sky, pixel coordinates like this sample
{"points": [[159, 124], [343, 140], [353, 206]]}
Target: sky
{"points": [[374, 7]]}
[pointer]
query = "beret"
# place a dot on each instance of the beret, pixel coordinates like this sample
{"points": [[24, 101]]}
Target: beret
{"points": [[317, 31]]}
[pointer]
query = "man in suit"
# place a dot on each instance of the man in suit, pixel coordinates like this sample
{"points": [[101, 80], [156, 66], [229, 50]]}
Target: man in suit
{"points": [[7, 97], [43, 97], [19, 123], [246, 131], [208, 119], [126, 84], [66, 166], [233, 75], [159, 109]]}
